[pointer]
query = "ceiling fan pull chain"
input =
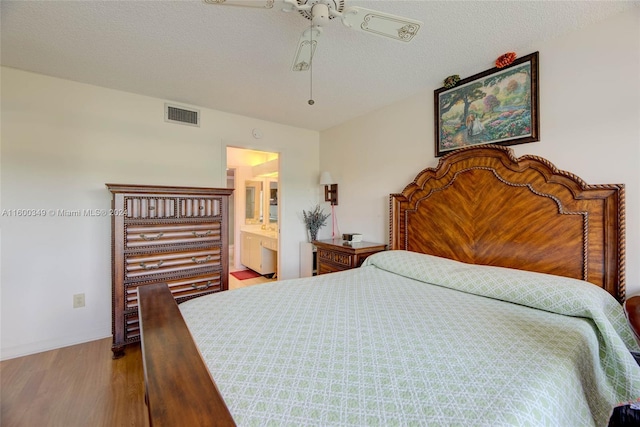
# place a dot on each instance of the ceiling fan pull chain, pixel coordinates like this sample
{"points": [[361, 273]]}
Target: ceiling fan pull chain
{"points": [[311, 101]]}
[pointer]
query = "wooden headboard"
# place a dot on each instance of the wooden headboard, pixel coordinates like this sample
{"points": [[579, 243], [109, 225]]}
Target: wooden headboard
{"points": [[483, 205]]}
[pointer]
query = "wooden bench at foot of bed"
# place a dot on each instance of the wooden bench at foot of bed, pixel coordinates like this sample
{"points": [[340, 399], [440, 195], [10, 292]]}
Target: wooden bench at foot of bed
{"points": [[179, 390]]}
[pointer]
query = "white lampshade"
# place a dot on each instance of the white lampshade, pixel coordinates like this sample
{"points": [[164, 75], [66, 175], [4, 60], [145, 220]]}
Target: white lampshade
{"points": [[325, 178]]}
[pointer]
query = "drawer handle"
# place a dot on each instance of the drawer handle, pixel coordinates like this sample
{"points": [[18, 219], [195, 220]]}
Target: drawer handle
{"points": [[205, 234], [203, 287], [149, 238], [201, 261], [201, 208], [152, 208], [151, 267]]}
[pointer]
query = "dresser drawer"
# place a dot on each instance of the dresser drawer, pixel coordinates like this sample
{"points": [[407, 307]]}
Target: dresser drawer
{"points": [[145, 267], [180, 288], [149, 207], [140, 236], [335, 257], [200, 207]]}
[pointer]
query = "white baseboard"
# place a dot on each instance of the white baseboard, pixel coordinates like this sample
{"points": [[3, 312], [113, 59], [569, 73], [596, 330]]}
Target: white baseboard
{"points": [[39, 347]]}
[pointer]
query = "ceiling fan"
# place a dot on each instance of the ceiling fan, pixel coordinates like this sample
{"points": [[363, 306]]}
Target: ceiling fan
{"points": [[319, 12]]}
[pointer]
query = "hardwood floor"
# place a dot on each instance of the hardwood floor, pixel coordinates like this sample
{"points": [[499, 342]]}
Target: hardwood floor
{"points": [[80, 385]]}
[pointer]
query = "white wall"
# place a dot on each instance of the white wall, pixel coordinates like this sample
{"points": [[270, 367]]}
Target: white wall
{"points": [[590, 125], [61, 142]]}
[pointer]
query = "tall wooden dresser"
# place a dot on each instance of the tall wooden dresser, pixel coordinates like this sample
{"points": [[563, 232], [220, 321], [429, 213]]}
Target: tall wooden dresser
{"points": [[176, 235]]}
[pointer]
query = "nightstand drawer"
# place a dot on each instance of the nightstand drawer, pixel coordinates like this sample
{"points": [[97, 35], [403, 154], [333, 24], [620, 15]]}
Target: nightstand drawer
{"points": [[329, 268], [335, 257]]}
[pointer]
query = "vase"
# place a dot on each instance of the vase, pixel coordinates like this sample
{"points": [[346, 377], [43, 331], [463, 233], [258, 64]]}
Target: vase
{"points": [[313, 235]]}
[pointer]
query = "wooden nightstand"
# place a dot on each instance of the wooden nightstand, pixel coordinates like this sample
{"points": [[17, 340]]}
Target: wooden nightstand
{"points": [[338, 255]]}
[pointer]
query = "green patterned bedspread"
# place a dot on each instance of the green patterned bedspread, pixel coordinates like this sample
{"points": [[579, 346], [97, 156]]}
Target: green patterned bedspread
{"points": [[382, 346]]}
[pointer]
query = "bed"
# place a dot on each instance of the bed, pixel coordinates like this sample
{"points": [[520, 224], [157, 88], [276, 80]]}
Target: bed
{"points": [[498, 303]]}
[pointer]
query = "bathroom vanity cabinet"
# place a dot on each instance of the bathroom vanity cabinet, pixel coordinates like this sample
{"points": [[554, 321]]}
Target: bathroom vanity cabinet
{"points": [[258, 251]]}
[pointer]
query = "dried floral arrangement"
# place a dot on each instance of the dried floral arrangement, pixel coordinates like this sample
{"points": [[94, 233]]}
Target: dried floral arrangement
{"points": [[315, 219]]}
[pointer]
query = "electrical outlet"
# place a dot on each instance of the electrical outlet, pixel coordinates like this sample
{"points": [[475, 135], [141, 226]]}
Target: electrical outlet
{"points": [[78, 300]]}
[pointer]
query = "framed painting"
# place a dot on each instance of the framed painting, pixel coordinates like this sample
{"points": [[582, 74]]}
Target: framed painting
{"points": [[497, 106]]}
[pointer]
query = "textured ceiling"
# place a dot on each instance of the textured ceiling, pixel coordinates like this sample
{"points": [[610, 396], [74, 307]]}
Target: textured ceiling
{"points": [[238, 59]]}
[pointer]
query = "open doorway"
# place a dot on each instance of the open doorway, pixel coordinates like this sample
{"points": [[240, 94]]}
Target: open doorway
{"points": [[253, 216]]}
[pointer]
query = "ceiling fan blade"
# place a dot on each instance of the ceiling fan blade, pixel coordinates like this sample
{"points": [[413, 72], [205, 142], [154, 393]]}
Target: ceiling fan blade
{"points": [[306, 49], [380, 23], [263, 4]]}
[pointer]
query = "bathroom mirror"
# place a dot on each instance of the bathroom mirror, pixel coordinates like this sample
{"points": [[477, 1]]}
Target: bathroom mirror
{"points": [[253, 202]]}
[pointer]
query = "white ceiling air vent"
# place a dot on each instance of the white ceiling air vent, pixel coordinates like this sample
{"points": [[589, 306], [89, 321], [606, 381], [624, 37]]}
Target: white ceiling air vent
{"points": [[179, 114]]}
